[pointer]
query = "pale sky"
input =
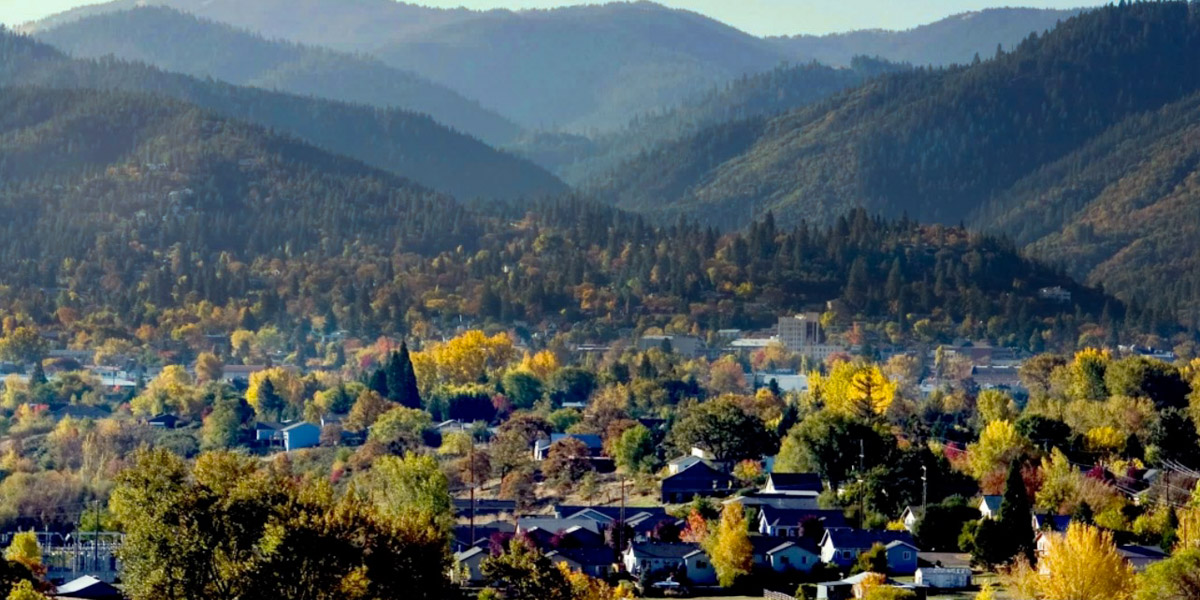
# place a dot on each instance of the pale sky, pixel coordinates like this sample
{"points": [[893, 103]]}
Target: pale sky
{"points": [[760, 17]]}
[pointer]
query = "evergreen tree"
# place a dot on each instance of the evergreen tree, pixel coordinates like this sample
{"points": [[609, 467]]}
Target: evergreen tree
{"points": [[406, 392], [1016, 513], [378, 382]]}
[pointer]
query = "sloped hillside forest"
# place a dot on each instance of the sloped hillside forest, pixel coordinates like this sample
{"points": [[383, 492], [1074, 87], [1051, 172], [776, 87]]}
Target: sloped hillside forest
{"points": [[371, 300]]}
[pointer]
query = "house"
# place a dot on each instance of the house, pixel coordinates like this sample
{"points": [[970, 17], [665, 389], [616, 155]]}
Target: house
{"points": [[163, 421], [841, 547], [87, 588], [699, 479], [240, 373], [1141, 557], [642, 521], [901, 557], [1055, 523], [553, 525], [786, 382], [944, 579], [466, 536], [678, 464], [909, 517], [783, 555], [594, 443], [267, 431], [464, 506], [804, 484], [575, 536], [78, 412], [789, 523], [644, 559], [784, 501], [989, 506], [467, 566], [596, 561], [300, 435], [851, 587]]}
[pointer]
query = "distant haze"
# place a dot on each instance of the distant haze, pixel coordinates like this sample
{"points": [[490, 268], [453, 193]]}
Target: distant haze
{"points": [[759, 17]]}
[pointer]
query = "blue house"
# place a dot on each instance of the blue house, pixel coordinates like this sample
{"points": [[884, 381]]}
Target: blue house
{"points": [[300, 435]]}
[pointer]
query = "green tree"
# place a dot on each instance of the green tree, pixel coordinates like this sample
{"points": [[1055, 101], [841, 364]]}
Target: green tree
{"points": [[402, 380], [874, 560], [522, 388], [1177, 578], [522, 572], [270, 404], [412, 488], [24, 590], [724, 429], [635, 450], [224, 426], [23, 345]]}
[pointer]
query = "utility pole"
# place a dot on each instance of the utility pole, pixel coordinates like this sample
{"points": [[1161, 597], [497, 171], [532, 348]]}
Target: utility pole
{"points": [[96, 538], [621, 523], [924, 489], [471, 472], [862, 488]]}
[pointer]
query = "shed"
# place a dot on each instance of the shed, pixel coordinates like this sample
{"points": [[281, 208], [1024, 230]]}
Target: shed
{"points": [[944, 579]]}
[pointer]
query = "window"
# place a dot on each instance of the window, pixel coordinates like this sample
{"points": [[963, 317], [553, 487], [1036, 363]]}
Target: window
{"points": [[907, 555], [701, 564], [784, 560], [846, 554]]}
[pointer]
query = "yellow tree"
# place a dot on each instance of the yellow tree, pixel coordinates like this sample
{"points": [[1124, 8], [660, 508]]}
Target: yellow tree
{"points": [[999, 444], [1084, 565], [542, 365], [24, 549], [584, 587], [24, 590], [729, 547], [855, 389], [209, 367], [173, 388]]}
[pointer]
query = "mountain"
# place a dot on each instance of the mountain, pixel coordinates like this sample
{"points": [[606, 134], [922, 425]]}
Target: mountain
{"points": [[110, 178], [405, 143], [572, 68], [953, 40], [938, 145], [579, 159], [168, 39]]}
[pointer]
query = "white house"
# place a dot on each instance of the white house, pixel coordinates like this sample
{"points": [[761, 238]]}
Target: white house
{"points": [[682, 559], [910, 518], [989, 506]]}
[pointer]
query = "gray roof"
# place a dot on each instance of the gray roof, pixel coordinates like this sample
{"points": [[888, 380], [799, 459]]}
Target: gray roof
{"points": [[468, 553], [88, 587], [663, 550], [992, 502], [864, 539], [555, 525], [784, 517]]}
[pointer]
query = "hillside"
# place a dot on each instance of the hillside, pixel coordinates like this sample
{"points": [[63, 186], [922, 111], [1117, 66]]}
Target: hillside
{"points": [[114, 183], [578, 158], [933, 144], [167, 39], [573, 68], [955, 39], [402, 142]]}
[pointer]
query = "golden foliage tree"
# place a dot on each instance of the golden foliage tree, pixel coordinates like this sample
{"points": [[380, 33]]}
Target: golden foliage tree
{"points": [[999, 444], [729, 547], [1083, 564], [855, 389]]}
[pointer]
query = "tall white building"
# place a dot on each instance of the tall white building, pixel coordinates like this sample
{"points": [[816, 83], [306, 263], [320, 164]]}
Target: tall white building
{"points": [[802, 334]]}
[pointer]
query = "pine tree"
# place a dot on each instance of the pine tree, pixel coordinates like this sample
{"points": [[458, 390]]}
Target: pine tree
{"points": [[1016, 513], [407, 393]]}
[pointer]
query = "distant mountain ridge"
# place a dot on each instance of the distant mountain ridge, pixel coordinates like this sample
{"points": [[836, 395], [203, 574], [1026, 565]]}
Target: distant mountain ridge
{"points": [[574, 68], [168, 39], [1005, 144], [955, 39], [405, 143]]}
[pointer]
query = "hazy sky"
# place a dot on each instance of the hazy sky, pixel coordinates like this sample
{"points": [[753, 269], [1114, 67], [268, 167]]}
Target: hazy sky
{"points": [[761, 17]]}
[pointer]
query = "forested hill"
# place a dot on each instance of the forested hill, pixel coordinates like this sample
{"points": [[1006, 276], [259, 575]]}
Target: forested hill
{"points": [[169, 39], [104, 190], [575, 68], [955, 39], [405, 143], [933, 144], [578, 158]]}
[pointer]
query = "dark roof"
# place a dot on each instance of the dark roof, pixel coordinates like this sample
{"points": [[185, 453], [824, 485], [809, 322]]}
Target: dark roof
{"points": [[87, 588], [553, 525], [267, 425], [565, 511], [1057, 523], [592, 441], [463, 505], [462, 533], [600, 556], [788, 517], [1135, 551], [663, 550], [797, 482], [859, 538], [698, 476], [993, 502], [765, 544], [784, 501]]}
